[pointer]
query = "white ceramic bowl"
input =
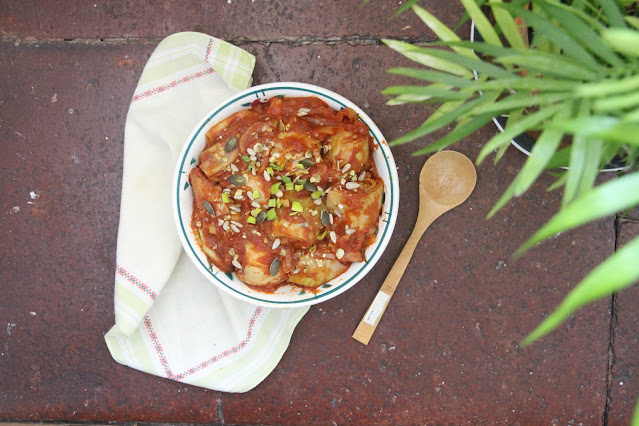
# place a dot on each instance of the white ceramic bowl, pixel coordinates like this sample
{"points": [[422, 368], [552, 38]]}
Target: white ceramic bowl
{"points": [[286, 296]]}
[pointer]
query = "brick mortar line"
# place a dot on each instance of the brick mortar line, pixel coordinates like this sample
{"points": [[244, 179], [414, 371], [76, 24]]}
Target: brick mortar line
{"points": [[292, 41], [611, 336]]}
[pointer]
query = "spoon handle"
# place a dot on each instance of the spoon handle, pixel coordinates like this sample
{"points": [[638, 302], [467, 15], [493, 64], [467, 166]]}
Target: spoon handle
{"points": [[369, 322]]}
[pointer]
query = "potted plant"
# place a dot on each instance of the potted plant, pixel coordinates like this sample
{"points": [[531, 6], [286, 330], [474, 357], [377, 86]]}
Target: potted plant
{"points": [[567, 70]]}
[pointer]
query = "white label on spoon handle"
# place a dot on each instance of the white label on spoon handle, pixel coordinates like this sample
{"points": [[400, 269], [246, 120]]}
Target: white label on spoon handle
{"points": [[376, 308]]}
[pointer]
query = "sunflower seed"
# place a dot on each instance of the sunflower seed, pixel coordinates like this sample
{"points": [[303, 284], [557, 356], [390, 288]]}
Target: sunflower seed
{"points": [[237, 180], [276, 243], [260, 217], [333, 236], [208, 207], [352, 185], [307, 163], [234, 168], [267, 177], [231, 143], [237, 264], [340, 253], [350, 231], [346, 168], [325, 217], [250, 151], [275, 267]]}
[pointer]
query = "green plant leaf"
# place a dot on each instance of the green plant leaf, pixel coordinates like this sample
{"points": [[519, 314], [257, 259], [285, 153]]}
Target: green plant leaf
{"points": [[550, 64], [582, 33], [482, 24], [611, 10], [434, 76], [557, 35], [426, 57], [635, 416], [431, 90], [561, 181], [540, 155], [524, 100], [508, 26], [584, 167], [608, 87], [608, 198], [467, 64], [614, 104], [442, 31], [528, 84], [633, 21], [593, 17], [500, 152], [614, 274], [516, 128], [560, 159], [408, 99], [602, 127], [623, 40], [444, 119], [407, 5], [462, 130]]}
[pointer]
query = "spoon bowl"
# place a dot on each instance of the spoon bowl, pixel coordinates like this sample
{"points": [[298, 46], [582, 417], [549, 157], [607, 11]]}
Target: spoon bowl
{"points": [[446, 180]]}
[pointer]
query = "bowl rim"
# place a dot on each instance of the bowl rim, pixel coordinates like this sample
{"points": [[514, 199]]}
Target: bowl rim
{"points": [[380, 243]]}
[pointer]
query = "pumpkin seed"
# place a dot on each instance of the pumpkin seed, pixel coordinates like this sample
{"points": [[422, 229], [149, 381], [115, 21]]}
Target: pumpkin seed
{"points": [[231, 143], [307, 162], [310, 187], [275, 267], [325, 217], [208, 207], [237, 180], [260, 217]]}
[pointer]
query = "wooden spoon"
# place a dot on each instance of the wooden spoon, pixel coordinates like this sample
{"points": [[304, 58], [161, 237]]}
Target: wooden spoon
{"points": [[446, 180]]}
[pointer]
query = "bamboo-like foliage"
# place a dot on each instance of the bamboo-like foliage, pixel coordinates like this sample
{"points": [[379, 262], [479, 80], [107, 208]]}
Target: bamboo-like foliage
{"points": [[577, 76]]}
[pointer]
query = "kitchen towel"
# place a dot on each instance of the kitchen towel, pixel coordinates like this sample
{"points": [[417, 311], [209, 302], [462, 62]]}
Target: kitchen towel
{"points": [[169, 320]]}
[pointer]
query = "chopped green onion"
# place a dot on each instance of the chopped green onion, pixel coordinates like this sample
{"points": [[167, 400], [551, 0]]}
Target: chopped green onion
{"points": [[225, 198], [278, 203], [255, 212], [256, 194], [269, 170], [317, 194], [299, 187], [289, 186], [271, 214], [322, 235], [286, 179], [299, 166], [246, 158], [297, 207], [251, 166], [251, 219], [275, 166], [272, 202], [301, 181], [275, 187]]}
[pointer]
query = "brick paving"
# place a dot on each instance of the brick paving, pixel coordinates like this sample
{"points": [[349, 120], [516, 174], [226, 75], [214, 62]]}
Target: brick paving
{"points": [[446, 351]]}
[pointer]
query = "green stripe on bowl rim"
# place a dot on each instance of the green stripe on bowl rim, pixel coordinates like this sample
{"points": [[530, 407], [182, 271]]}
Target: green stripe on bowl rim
{"points": [[263, 91]]}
